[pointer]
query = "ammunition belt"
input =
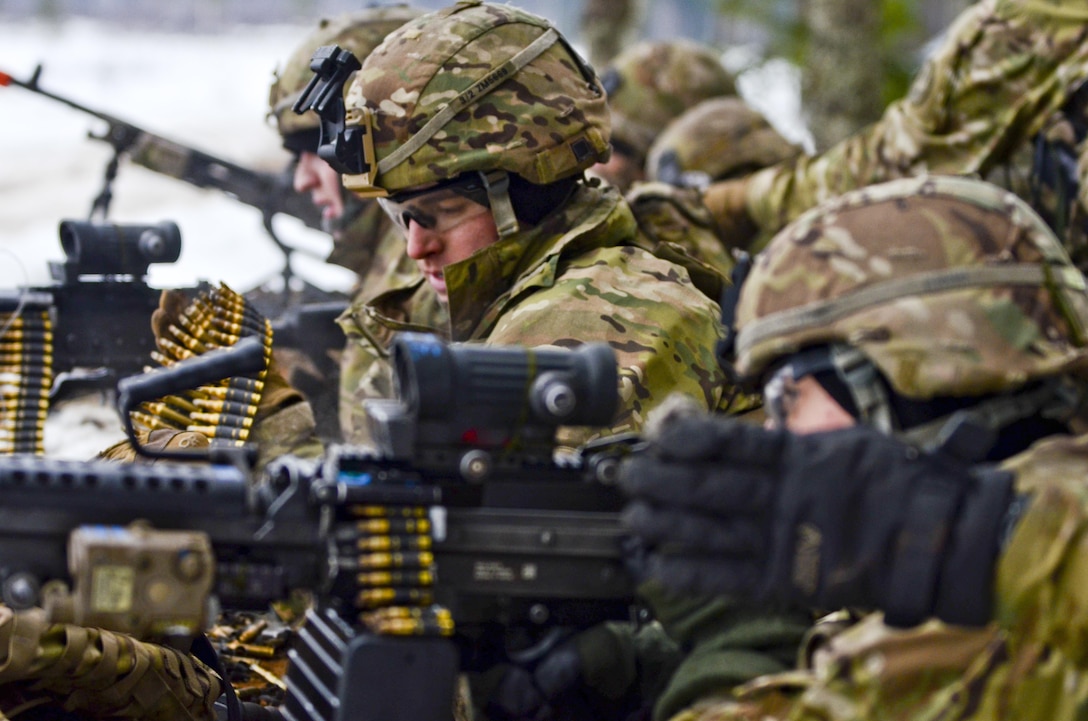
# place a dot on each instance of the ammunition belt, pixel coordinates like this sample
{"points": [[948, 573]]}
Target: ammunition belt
{"points": [[389, 551], [26, 370], [224, 412]]}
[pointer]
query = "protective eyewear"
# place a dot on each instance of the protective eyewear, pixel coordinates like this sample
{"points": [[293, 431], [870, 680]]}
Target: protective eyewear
{"points": [[439, 208]]}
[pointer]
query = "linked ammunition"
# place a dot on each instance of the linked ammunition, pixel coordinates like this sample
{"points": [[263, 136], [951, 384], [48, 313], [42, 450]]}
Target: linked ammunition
{"points": [[225, 419], [394, 525], [187, 340], [236, 395], [221, 432], [43, 356], [153, 423], [224, 406], [183, 404], [393, 543], [249, 385], [363, 511], [431, 621], [422, 577], [30, 380], [164, 411], [238, 327], [175, 350], [24, 401], [373, 598], [420, 559]]}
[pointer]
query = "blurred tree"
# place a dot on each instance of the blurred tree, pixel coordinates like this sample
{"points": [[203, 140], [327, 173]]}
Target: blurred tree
{"points": [[855, 56], [609, 25], [839, 81]]}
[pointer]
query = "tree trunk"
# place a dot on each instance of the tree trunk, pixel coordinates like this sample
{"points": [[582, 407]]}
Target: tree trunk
{"points": [[842, 75], [608, 26]]}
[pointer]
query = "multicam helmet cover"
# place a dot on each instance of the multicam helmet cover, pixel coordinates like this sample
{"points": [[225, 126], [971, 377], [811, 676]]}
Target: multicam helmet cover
{"points": [[950, 286], [357, 32], [718, 139], [651, 83], [475, 87]]}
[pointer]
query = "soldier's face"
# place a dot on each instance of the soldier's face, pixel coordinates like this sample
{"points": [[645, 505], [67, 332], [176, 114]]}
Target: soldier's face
{"points": [[442, 228], [316, 177], [802, 406]]}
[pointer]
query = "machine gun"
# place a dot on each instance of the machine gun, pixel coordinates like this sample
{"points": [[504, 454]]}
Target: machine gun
{"points": [[462, 510], [270, 193], [91, 327]]}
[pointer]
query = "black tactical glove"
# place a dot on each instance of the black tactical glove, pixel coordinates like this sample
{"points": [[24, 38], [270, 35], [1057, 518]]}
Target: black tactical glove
{"points": [[843, 518]]}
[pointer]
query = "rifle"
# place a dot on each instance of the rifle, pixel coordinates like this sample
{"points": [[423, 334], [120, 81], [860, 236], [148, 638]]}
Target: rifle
{"points": [[271, 193], [523, 547]]}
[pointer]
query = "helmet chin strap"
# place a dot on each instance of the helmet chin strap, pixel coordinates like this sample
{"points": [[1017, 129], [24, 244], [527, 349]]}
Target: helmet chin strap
{"points": [[863, 381], [497, 183]]}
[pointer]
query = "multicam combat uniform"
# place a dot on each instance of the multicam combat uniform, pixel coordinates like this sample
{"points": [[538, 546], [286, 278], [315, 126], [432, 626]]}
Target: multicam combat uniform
{"points": [[365, 240], [574, 277], [578, 278], [1001, 76], [364, 369], [97, 673], [980, 301]]}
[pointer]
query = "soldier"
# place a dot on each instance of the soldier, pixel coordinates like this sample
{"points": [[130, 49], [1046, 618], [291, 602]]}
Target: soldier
{"points": [[364, 239], [648, 85], [998, 99], [481, 135], [483, 121], [922, 352], [718, 139]]}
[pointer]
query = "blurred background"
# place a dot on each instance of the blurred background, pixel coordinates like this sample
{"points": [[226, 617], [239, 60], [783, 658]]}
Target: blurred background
{"points": [[198, 71]]}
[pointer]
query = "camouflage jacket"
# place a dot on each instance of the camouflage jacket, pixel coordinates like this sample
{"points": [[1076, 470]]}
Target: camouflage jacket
{"points": [[1031, 663], [391, 298], [1001, 76], [578, 277], [675, 220]]}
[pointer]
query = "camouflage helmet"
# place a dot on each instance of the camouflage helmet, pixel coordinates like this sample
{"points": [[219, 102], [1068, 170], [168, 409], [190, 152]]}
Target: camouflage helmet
{"points": [[949, 286], [651, 83], [475, 87], [358, 32], [718, 139]]}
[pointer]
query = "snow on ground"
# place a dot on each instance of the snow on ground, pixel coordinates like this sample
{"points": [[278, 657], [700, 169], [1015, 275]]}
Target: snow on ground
{"points": [[209, 92]]}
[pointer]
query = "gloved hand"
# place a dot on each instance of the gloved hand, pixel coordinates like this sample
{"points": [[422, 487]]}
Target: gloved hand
{"points": [[162, 439], [283, 422], [728, 205], [843, 518], [589, 676], [171, 304]]}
